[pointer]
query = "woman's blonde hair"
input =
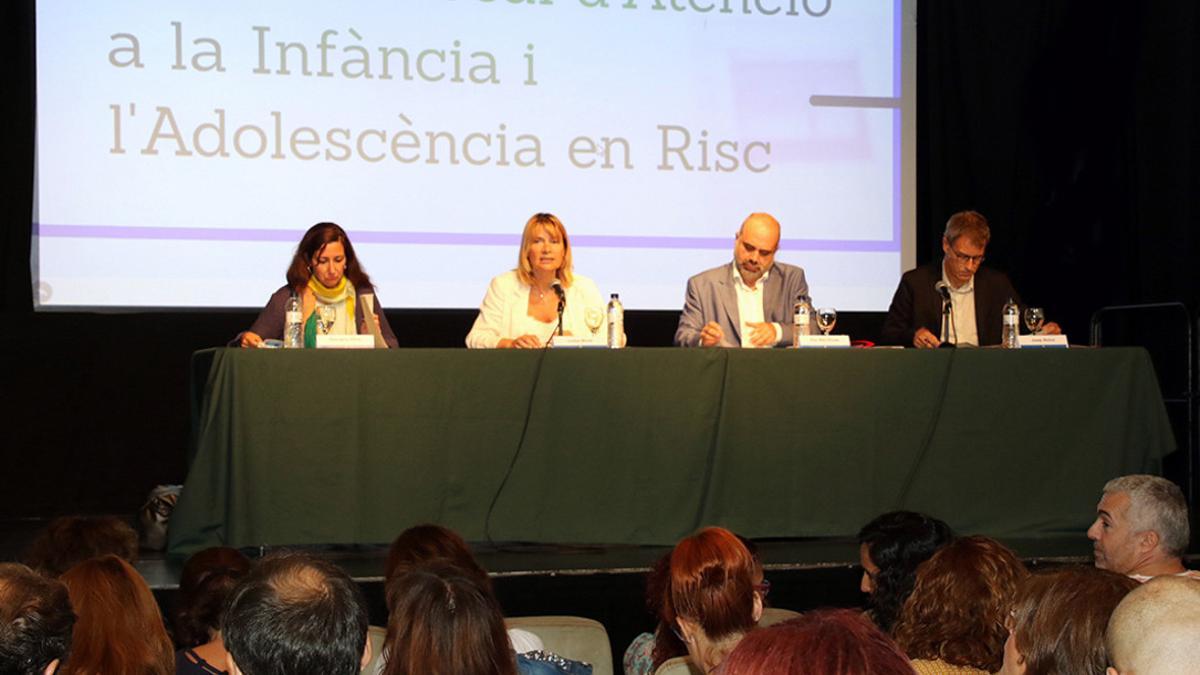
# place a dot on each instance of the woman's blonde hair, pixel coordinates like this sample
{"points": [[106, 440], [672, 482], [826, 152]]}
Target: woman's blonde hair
{"points": [[553, 225]]}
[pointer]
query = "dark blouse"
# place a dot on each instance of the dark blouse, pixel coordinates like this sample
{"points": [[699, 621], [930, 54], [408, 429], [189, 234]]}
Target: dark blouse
{"points": [[188, 662]]}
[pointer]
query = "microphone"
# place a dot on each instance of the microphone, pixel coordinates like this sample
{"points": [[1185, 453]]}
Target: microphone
{"points": [[562, 302], [948, 326]]}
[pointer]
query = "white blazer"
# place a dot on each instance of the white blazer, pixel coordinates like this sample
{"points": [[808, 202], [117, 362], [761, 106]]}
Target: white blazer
{"points": [[507, 303]]}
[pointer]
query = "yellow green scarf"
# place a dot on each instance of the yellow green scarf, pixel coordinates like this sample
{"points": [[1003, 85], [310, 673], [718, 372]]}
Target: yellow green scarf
{"points": [[343, 292]]}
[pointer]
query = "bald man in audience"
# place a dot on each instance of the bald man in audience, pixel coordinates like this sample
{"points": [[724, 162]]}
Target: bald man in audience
{"points": [[1156, 629], [1141, 528], [294, 614]]}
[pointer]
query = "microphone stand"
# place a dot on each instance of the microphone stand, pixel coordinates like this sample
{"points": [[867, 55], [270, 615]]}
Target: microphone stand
{"points": [[948, 327], [946, 319], [561, 304]]}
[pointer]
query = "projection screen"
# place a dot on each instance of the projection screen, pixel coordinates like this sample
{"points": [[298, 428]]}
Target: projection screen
{"points": [[182, 148]]}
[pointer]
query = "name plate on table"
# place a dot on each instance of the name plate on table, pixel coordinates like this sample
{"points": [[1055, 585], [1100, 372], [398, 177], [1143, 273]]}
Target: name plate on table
{"points": [[575, 342], [345, 342], [1042, 341], [825, 341]]}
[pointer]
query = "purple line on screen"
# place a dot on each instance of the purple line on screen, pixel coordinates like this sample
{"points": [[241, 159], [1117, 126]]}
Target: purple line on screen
{"points": [[897, 115], [441, 238]]}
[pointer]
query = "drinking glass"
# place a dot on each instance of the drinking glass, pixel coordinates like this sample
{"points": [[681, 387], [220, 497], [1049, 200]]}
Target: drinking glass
{"points": [[1034, 318], [594, 318], [826, 319], [326, 314]]}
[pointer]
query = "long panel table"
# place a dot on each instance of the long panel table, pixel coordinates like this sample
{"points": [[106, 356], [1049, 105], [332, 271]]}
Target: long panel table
{"points": [[641, 446]]}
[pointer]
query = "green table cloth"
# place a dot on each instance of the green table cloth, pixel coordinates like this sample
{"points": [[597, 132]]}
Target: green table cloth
{"points": [[642, 446]]}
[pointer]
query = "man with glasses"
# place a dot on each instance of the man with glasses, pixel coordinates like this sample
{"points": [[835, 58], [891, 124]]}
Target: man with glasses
{"points": [[976, 294]]}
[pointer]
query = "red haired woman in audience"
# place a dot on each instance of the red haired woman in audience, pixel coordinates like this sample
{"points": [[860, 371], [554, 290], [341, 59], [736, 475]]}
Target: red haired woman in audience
{"points": [[823, 642], [118, 630], [953, 622], [1058, 621], [713, 594]]}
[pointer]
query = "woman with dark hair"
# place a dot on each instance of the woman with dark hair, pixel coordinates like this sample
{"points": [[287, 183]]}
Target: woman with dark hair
{"points": [[520, 308], [953, 622], [442, 621], [325, 272], [1058, 621], [890, 548], [712, 594], [69, 540], [822, 642], [118, 628], [207, 579], [422, 544]]}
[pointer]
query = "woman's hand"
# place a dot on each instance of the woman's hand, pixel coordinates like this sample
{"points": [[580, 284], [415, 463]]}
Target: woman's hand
{"points": [[251, 339], [523, 342]]}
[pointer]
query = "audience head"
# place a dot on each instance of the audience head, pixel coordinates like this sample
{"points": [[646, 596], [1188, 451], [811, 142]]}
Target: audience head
{"points": [[959, 603], [295, 614], [309, 250], [890, 548], [118, 627], [35, 621], [443, 621], [422, 544], [70, 540], [1156, 629], [667, 644], [208, 578], [713, 592], [1141, 523], [822, 642], [548, 226], [1058, 620]]}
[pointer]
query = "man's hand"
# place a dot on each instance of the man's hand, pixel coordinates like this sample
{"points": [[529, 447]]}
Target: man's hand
{"points": [[923, 339], [1051, 328], [762, 334], [250, 339], [711, 334]]}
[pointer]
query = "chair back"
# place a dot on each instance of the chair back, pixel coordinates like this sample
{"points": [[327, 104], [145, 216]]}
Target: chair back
{"points": [[572, 637], [680, 665]]}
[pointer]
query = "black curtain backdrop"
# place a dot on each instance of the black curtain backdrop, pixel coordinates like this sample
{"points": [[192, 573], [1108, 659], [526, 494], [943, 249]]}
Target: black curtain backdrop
{"points": [[1073, 126]]}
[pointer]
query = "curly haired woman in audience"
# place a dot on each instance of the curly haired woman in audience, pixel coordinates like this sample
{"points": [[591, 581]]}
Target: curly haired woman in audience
{"points": [[207, 579], [822, 642], [713, 594], [118, 630], [953, 622], [1058, 621], [890, 548]]}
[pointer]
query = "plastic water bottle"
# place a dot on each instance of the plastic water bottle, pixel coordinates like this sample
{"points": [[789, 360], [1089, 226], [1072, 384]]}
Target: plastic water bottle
{"points": [[293, 331], [616, 322], [801, 318], [1008, 338]]}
